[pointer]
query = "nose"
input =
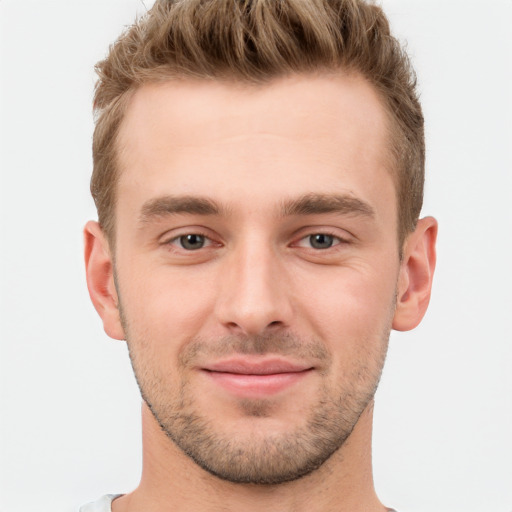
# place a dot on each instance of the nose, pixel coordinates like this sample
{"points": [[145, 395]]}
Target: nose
{"points": [[254, 292]]}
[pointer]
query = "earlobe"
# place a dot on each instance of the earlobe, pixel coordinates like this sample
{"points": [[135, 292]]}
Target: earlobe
{"points": [[416, 274], [100, 279]]}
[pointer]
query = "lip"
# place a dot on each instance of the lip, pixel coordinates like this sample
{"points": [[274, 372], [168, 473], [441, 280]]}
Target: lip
{"points": [[251, 378], [247, 366]]}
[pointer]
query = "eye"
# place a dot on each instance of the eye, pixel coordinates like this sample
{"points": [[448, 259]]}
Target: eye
{"points": [[322, 240], [191, 242]]}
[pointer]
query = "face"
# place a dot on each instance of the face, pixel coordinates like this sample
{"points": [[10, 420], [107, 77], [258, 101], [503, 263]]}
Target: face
{"points": [[256, 266]]}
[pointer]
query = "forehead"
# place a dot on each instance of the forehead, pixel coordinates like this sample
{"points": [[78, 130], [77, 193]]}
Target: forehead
{"points": [[256, 143]]}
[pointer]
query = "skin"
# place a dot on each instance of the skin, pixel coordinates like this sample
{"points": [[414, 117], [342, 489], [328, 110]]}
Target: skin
{"points": [[277, 164]]}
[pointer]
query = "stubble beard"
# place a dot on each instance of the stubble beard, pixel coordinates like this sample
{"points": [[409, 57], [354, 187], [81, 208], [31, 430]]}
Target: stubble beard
{"points": [[264, 459]]}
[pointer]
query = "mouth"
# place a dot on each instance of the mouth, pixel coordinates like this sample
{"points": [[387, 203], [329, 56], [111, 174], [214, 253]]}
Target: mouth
{"points": [[250, 378]]}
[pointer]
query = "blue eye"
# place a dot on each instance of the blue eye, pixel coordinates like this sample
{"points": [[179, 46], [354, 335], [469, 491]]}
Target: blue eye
{"points": [[192, 242], [321, 241]]}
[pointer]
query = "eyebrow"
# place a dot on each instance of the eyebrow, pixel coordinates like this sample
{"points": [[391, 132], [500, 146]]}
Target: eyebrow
{"points": [[311, 204], [172, 205], [308, 204]]}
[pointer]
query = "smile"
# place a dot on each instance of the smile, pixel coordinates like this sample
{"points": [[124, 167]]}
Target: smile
{"points": [[256, 379]]}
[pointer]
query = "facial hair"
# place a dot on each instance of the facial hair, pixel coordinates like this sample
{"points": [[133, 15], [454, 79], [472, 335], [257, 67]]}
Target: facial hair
{"points": [[264, 458]]}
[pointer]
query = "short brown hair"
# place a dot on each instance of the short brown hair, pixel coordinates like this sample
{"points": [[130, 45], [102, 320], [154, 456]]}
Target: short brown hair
{"points": [[256, 41]]}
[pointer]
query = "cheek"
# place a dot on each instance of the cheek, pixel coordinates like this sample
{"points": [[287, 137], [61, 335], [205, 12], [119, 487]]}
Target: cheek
{"points": [[349, 308], [353, 318], [164, 306]]}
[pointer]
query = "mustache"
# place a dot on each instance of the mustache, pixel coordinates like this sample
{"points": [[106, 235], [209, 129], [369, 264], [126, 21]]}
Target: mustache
{"points": [[282, 344]]}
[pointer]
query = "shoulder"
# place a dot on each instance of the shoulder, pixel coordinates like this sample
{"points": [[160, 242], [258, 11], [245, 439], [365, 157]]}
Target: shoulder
{"points": [[101, 505]]}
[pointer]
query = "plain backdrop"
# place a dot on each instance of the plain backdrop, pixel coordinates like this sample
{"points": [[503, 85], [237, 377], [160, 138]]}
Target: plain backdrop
{"points": [[69, 405]]}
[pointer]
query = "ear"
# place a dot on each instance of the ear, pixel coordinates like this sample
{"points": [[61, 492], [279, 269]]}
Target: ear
{"points": [[100, 279], [416, 273]]}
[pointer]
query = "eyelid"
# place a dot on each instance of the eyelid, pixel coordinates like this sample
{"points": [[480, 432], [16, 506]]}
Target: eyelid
{"points": [[304, 241], [171, 237], [177, 241], [340, 237]]}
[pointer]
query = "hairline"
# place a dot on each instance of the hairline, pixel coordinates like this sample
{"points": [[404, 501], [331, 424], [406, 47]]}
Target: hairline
{"points": [[393, 134]]}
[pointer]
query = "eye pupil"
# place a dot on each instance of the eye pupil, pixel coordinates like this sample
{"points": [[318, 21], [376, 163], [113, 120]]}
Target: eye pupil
{"points": [[321, 241], [192, 242]]}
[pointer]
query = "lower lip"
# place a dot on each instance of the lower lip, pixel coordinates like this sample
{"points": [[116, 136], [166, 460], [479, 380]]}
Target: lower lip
{"points": [[256, 385]]}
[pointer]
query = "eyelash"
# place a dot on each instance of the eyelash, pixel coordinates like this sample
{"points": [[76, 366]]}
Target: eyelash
{"points": [[337, 240], [177, 240]]}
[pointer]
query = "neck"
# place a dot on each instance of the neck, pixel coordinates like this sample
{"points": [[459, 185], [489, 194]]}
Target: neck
{"points": [[171, 481]]}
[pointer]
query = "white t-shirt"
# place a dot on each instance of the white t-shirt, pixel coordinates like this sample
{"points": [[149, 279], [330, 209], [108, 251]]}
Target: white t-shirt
{"points": [[103, 504]]}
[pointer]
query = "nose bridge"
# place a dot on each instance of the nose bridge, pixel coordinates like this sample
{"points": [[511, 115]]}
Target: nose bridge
{"points": [[253, 295]]}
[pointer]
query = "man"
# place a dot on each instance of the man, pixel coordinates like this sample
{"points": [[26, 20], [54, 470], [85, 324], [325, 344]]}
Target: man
{"points": [[258, 174]]}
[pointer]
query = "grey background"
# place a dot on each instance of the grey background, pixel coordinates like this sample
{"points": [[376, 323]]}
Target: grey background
{"points": [[69, 406]]}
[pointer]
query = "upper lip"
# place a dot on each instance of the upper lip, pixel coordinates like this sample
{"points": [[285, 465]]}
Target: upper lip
{"points": [[244, 366]]}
